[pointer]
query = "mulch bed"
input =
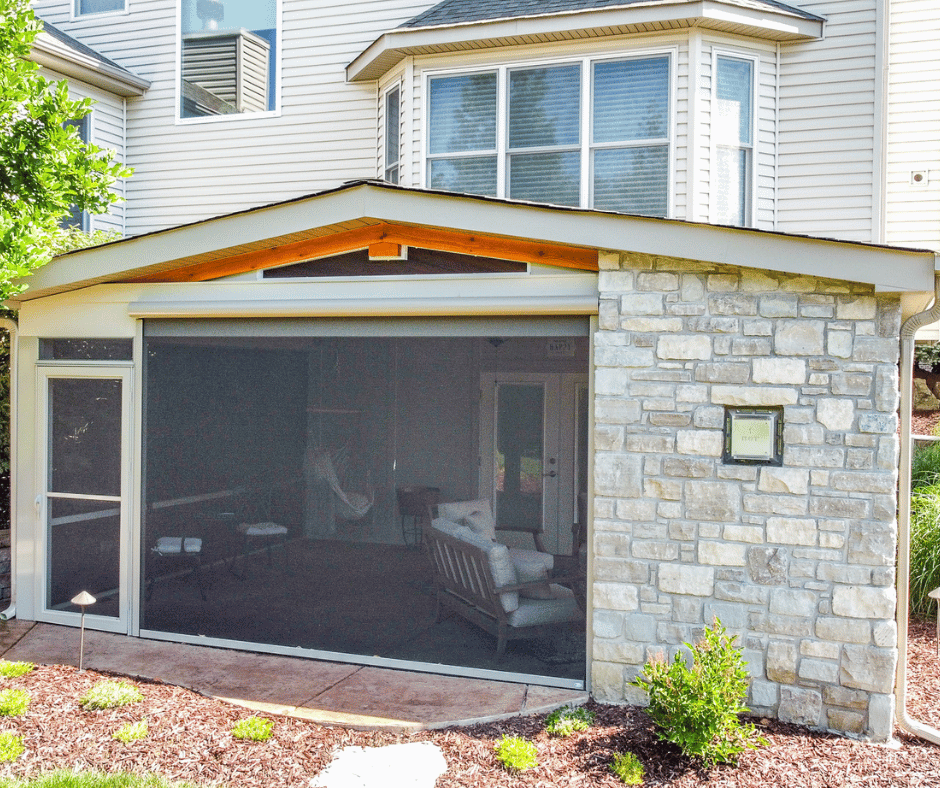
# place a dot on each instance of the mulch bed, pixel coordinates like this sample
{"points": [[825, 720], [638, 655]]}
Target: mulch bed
{"points": [[923, 422], [190, 739]]}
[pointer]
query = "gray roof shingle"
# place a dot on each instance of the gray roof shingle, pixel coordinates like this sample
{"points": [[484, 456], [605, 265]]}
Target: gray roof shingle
{"points": [[79, 47], [453, 12]]}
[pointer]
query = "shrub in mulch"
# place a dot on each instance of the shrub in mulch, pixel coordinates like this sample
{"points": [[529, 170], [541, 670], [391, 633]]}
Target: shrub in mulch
{"points": [[189, 738]]}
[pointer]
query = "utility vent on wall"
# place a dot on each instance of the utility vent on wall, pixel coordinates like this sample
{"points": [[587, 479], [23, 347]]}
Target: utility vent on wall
{"points": [[231, 65]]}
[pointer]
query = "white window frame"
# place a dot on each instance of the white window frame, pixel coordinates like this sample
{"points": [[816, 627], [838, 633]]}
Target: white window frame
{"points": [[237, 116], [383, 161], [586, 145], [750, 199], [75, 14]]}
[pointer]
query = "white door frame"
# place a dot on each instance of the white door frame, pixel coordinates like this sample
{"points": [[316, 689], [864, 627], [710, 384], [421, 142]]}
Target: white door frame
{"points": [[125, 374], [559, 496]]}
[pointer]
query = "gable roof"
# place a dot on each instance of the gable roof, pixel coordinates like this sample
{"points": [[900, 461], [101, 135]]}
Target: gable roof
{"points": [[451, 12], [360, 213], [461, 25], [63, 54]]}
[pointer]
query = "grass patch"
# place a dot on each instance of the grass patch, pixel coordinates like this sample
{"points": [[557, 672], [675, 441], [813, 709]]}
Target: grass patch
{"points": [[253, 729], [12, 670], [132, 731], [13, 702], [925, 466], [62, 779], [516, 754], [564, 722], [925, 547], [628, 768], [108, 694], [11, 746]]}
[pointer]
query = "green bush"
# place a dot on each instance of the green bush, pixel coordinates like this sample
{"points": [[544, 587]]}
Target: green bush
{"points": [[925, 547], [108, 694], [132, 731], [925, 466], [564, 722], [12, 670], [698, 708], [13, 702], [516, 754], [11, 746], [628, 768], [253, 728]]}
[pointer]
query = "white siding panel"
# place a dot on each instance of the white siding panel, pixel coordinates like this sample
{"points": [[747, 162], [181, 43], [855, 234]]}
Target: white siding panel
{"points": [[913, 210], [827, 132]]}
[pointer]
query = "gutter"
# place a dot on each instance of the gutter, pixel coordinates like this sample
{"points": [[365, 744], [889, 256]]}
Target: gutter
{"points": [[11, 326], [910, 327]]}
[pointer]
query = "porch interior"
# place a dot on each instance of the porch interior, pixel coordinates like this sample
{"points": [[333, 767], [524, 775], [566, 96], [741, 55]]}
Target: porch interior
{"points": [[314, 435]]}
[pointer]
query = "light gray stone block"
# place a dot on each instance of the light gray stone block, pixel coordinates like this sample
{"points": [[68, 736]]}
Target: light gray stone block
{"points": [[686, 579], [863, 602], [636, 304], [779, 371], [684, 347], [800, 338], [712, 501], [794, 481], [618, 475], [800, 706], [768, 565], [868, 668]]}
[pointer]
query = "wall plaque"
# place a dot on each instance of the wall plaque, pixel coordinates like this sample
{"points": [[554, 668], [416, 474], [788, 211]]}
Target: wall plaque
{"points": [[753, 436]]}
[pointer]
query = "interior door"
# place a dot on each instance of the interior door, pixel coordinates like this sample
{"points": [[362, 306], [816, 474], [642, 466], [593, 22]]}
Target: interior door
{"points": [[528, 463], [83, 507]]}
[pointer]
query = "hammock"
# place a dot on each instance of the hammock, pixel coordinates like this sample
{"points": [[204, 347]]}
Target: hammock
{"points": [[349, 505]]}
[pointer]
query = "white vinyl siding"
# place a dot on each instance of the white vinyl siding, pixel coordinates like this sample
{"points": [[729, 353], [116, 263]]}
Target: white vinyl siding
{"points": [[913, 207], [827, 169], [324, 133]]}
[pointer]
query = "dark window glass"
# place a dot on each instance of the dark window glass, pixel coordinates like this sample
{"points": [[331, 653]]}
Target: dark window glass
{"points": [[86, 349]]}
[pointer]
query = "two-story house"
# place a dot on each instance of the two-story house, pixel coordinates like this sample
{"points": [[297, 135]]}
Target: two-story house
{"points": [[610, 270]]}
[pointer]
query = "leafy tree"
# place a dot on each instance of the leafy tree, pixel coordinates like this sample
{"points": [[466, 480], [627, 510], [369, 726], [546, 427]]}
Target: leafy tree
{"points": [[45, 168]]}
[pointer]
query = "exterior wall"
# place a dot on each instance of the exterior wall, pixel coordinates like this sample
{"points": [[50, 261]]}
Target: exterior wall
{"points": [[913, 208], [323, 135], [798, 560], [829, 172], [107, 131]]}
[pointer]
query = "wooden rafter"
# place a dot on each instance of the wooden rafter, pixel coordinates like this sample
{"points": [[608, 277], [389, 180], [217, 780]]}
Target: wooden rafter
{"points": [[386, 234]]}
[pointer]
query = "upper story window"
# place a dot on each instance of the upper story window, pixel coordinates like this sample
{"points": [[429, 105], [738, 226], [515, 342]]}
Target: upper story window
{"points": [[733, 134], [589, 133], [393, 135], [228, 56], [77, 218], [83, 7]]}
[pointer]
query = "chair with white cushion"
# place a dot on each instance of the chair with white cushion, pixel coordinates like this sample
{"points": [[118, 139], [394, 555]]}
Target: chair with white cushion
{"points": [[179, 549]]}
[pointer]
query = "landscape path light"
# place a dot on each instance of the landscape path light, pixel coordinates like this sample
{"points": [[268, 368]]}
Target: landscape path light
{"points": [[82, 600]]}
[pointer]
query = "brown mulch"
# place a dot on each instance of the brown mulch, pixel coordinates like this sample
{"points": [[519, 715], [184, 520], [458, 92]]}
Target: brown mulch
{"points": [[923, 422], [189, 739]]}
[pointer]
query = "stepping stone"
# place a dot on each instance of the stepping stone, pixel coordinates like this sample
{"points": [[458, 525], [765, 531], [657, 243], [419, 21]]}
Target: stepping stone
{"points": [[416, 765]]}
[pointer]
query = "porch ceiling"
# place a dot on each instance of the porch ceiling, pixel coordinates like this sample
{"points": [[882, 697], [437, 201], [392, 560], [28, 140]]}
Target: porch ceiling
{"points": [[364, 213]]}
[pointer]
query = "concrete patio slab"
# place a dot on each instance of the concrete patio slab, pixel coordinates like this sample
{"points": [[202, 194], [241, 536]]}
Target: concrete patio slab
{"points": [[332, 693]]}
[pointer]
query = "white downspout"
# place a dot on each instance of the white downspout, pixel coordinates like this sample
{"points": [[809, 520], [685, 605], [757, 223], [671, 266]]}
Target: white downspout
{"points": [[904, 513], [11, 326]]}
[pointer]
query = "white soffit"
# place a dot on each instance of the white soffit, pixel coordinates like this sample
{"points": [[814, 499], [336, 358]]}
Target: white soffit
{"points": [[886, 268], [395, 45]]}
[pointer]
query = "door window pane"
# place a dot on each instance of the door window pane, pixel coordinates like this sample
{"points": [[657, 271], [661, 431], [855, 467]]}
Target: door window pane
{"points": [[228, 56], [85, 436], [83, 541], [520, 419], [631, 100], [463, 113], [631, 180]]}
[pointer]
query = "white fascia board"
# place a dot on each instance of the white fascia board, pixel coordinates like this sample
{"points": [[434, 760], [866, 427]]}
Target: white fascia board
{"points": [[56, 56], [393, 46], [887, 268]]}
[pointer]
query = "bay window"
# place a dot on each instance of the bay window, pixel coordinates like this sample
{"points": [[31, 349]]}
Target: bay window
{"points": [[531, 133], [734, 140]]}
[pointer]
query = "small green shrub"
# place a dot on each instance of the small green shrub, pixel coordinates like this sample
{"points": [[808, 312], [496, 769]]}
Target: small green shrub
{"points": [[11, 746], [628, 768], [927, 356], [516, 754], [13, 702], [108, 694], [12, 670], [253, 728], [925, 547], [698, 708], [132, 731], [925, 466], [564, 722]]}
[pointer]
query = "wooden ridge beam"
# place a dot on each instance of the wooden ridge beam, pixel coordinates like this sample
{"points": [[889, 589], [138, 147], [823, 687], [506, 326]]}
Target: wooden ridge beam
{"points": [[515, 249]]}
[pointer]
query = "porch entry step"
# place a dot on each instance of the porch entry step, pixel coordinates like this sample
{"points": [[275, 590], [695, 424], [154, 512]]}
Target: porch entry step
{"points": [[331, 693]]}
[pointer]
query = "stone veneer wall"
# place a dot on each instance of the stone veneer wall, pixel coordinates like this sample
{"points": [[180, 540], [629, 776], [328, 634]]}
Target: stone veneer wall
{"points": [[797, 560]]}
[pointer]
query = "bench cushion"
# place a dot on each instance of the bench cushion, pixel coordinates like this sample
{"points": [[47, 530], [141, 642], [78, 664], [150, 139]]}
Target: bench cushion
{"points": [[476, 515], [560, 608]]}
